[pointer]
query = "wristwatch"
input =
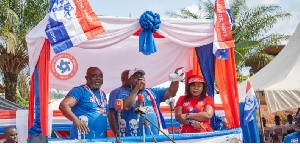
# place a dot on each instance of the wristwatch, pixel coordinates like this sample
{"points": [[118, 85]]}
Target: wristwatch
{"points": [[188, 116]]}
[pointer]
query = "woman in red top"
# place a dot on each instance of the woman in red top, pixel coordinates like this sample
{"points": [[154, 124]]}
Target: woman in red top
{"points": [[194, 110]]}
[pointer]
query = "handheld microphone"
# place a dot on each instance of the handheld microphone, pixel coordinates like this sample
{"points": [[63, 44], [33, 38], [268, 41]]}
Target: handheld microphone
{"points": [[170, 101], [119, 104], [119, 107], [139, 103]]}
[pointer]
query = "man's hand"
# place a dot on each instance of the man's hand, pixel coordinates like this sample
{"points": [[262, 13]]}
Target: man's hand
{"points": [[140, 84], [81, 126]]}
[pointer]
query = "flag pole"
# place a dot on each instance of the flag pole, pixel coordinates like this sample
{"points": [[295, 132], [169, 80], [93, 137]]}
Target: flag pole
{"points": [[260, 117]]}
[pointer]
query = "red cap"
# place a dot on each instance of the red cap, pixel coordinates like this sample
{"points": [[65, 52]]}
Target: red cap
{"points": [[196, 79], [119, 104], [140, 97]]}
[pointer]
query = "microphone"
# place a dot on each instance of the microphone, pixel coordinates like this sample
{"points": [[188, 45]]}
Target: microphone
{"points": [[119, 104], [140, 104], [170, 101], [119, 107], [140, 101]]}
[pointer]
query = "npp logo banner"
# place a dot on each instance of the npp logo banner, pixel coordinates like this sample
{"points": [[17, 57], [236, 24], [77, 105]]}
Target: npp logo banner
{"points": [[71, 22]]}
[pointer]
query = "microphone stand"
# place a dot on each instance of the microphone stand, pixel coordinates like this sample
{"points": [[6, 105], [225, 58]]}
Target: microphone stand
{"points": [[145, 123], [140, 110], [145, 118], [171, 109], [170, 102], [118, 138]]}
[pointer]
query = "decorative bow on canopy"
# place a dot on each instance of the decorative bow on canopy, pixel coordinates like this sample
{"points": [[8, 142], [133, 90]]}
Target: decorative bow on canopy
{"points": [[150, 23]]}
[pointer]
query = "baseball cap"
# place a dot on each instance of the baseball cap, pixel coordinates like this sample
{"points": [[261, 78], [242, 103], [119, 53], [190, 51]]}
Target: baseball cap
{"points": [[133, 71], [196, 79]]}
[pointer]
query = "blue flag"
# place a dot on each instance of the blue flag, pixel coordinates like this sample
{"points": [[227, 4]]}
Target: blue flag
{"points": [[251, 104]]}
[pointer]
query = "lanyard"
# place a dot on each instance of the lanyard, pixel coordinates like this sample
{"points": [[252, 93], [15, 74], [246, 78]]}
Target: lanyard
{"points": [[155, 108], [103, 101]]}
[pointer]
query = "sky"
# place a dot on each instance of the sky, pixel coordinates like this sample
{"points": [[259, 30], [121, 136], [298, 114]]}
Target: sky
{"points": [[123, 8]]}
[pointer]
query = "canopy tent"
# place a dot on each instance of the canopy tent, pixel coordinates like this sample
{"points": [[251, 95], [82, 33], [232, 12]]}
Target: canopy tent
{"points": [[8, 105], [112, 56], [116, 50], [278, 82]]}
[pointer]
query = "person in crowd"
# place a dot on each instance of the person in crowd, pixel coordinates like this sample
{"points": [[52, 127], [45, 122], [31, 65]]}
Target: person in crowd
{"points": [[85, 106], [276, 138], [152, 98], [195, 109], [267, 131], [278, 128], [112, 112], [294, 137], [290, 126], [11, 135]]}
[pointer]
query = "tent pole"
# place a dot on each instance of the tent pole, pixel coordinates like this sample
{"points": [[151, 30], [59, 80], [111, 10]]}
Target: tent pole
{"points": [[260, 117]]}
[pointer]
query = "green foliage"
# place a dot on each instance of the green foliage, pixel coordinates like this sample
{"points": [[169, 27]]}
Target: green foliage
{"points": [[240, 77], [23, 88], [20, 100], [246, 45], [257, 60], [284, 118], [17, 17]]}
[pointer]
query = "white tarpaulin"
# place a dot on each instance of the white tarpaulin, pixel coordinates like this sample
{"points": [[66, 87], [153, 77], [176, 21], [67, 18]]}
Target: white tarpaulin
{"points": [[279, 80], [116, 50]]}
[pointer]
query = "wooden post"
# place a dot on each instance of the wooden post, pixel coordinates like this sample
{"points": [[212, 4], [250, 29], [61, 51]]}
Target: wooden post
{"points": [[261, 122]]}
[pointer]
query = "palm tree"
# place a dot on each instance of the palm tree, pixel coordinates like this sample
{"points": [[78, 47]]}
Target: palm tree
{"points": [[250, 30], [17, 17], [23, 88]]}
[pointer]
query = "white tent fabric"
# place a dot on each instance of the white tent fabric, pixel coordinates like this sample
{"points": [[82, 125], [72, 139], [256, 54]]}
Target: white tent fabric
{"points": [[280, 78], [116, 50]]}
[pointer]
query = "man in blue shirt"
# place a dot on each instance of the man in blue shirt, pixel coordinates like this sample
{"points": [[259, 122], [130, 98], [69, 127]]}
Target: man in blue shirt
{"points": [[294, 137], [85, 106], [152, 99], [112, 112]]}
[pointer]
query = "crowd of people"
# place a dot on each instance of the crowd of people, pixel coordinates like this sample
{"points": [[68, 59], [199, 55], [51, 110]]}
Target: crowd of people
{"points": [[278, 133], [87, 107]]}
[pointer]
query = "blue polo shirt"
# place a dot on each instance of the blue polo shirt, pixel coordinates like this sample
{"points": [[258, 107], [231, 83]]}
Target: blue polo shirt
{"points": [[88, 111], [113, 96], [136, 129], [292, 138]]}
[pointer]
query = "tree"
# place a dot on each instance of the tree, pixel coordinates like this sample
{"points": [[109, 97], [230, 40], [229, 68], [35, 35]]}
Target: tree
{"points": [[250, 30], [17, 17], [23, 88]]}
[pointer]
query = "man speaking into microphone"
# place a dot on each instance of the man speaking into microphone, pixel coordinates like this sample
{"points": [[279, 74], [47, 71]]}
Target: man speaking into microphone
{"points": [[152, 99]]}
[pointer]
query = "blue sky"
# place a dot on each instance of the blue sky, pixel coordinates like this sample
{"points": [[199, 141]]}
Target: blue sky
{"points": [[123, 8], [137, 7]]}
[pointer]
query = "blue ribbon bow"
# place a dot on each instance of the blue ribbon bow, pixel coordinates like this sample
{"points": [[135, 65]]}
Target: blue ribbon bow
{"points": [[150, 23]]}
